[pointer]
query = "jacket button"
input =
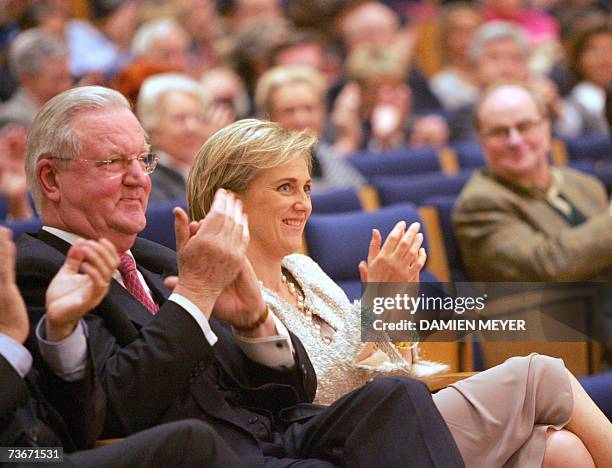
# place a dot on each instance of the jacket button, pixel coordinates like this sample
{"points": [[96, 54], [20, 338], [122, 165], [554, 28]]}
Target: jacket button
{"points": [[253, 420]]}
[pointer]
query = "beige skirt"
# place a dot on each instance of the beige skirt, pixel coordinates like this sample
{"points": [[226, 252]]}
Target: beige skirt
{"points": [[500, 416]]}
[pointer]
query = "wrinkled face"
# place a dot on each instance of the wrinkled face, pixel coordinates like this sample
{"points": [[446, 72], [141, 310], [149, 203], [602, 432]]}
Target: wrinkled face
{"points": [[93, 204], [502, 60], [297, 106], [596, 59], [514, 136], [181, 128], [278, 205], [52, 78]]}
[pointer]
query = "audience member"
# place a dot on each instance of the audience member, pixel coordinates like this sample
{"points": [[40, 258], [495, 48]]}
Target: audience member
{"points": [[203, 24], [590, 61], [27, 417], [521, 219], [311, 49], [91, 54], [386, 110], [171, 110], [224, 91], [241, 13], [13, 187], [499, 52], [294, 96], [251, 49], [162, 41], [455, 85], [39, 60], [161, 360], [539, 25], [374, 25], [541, 396]]}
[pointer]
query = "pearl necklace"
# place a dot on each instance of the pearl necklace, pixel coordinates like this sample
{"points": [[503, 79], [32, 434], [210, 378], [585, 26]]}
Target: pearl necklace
{"points": [[300, 299], [299, 296]]}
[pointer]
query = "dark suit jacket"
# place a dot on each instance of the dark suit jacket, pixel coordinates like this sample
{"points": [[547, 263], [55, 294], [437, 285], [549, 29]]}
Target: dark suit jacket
{"points": [[160, 368], [167, 184], [43, 410]]}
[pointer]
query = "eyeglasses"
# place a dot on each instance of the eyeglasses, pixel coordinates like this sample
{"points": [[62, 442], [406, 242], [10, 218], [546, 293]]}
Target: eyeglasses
{"points": [[525, 128], [118, 166]]}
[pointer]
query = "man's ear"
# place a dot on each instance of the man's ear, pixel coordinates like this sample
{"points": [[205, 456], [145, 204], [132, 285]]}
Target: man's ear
{"points": [[46, 174]]}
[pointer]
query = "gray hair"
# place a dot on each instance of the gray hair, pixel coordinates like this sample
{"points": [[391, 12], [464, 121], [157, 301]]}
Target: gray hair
{"points": [[51, 131], [494, 31], [148, 33], [31, 47], [155, 88]]}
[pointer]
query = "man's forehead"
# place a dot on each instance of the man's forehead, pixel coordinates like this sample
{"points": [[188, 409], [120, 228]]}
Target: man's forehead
{"points": [[506, 103], [114, 123]]}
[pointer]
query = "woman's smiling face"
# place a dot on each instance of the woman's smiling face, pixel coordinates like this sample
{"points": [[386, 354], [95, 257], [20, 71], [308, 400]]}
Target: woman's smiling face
{"points": [[278, 205]]}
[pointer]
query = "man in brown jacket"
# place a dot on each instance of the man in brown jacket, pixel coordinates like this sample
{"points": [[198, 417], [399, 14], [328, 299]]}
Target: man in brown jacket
{"points": [[520, 219]]}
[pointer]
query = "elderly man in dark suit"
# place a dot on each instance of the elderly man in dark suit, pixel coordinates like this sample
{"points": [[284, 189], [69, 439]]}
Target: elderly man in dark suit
{"points": [[212, 349], [44, 410]]}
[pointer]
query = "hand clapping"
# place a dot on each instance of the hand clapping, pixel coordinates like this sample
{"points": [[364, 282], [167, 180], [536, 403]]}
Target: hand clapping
{"points": [[79, 285], [212, 261], [13, 315]]}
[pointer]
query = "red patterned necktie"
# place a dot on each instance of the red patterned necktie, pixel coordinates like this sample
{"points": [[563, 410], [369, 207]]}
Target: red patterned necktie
{"points": [[132, 283]]}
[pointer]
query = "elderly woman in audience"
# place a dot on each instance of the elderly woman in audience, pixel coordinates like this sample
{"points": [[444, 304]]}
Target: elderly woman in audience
{"points": [[590, 61], [294, 96], [455, 85], [545, 418], [171, 108]]}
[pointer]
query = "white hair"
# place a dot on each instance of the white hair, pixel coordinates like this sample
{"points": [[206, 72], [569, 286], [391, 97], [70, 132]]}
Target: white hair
{"points": [[148, 33], [31, 47], [51, 131], [153, 90], [494, 31]]}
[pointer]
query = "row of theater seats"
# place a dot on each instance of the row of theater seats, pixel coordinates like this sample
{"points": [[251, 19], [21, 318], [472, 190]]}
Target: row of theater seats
{"points": [[588, 153]]}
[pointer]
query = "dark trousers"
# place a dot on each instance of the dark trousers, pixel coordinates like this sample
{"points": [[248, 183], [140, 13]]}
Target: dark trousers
{"points": [[188, 443], [389, 422]]}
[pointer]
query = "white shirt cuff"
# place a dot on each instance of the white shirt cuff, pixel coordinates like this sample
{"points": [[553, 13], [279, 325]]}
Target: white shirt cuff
{"points": [[275, 352], [197, 315], [16, 354], [66, 358]]}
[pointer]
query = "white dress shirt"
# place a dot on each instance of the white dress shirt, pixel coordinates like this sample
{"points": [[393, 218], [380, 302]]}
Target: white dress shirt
{"points": [[67, 358]]}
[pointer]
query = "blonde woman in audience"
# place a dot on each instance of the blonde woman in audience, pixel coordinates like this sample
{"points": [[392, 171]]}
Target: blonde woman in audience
{"points": [[545, 417], [294, 96]]}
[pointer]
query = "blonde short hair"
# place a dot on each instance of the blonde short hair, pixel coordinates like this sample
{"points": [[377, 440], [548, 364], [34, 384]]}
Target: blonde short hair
{"points": [[236, 154], [278, 77]]}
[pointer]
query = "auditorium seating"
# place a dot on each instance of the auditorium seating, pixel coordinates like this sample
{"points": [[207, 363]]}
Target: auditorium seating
{"points": [[406, 161], [160, 222], [415, 189]]}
